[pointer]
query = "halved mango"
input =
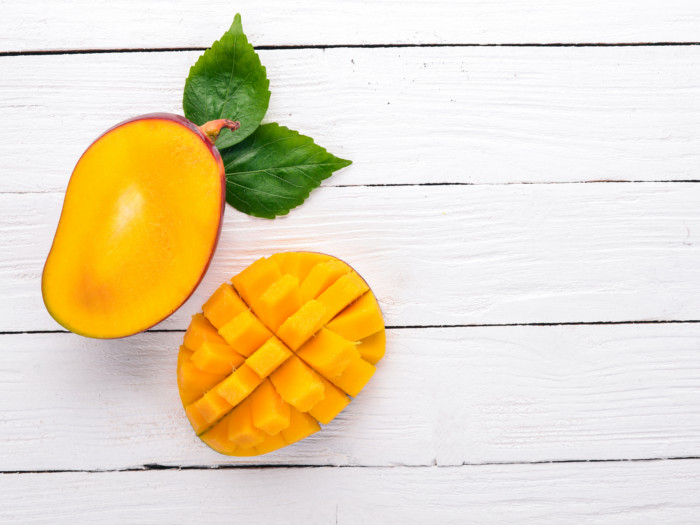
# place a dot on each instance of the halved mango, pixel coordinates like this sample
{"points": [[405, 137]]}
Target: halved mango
{"points": [[307, 349], [140, 222]]}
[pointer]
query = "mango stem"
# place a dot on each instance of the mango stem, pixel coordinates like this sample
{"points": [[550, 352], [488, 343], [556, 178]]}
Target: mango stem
{"points": [[212, 128]]}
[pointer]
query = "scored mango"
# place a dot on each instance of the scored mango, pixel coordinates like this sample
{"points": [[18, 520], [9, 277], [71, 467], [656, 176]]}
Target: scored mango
{"points": [[278, 352]]}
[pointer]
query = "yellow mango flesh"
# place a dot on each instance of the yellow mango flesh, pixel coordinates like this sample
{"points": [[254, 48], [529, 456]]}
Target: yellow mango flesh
{"points": [[139, 225], [201, 330], [270, 411], [236, 387], [305, 350], [252, 282], [241, 430], [301, 425], [354, 377], [223, 306], [216, 358], [332, 404], [304, 323], [245, 333], [280, 300], [298, 384], [359, 320], [268, 357], [321, 277], [340, 294], [299, 264], [372, 348], [328, 353]]}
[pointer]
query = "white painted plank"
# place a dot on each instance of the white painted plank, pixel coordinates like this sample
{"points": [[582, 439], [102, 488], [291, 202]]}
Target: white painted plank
{"points": [[440, 396], [484, 115], [101, 24], [441, 255], [600, 493]]}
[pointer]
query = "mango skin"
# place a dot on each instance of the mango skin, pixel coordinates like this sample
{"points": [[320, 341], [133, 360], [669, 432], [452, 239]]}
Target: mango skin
{"points": [[104, 309]]}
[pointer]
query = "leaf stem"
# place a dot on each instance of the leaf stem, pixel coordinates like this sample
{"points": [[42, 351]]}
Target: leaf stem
{"points": [[212, 128]]}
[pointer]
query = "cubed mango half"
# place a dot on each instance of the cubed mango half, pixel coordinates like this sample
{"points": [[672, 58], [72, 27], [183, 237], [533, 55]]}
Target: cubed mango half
{"points": [[278, 352]]}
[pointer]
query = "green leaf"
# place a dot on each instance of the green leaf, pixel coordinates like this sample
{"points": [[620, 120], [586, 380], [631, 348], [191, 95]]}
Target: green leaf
{"points": [[228, 81], [274, 170]]}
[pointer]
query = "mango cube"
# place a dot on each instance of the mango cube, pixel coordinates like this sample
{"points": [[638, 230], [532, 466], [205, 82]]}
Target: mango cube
{"points": [[245, 333], [341, 293], [355, 377], [298, 328], [298, 385], [216, 358], [270, 444], [223, 306], [328, 353], [217, 438], [372, 348], [298, 264], [321, 277], [241, 430], [359, 320], [204, 412], [254, 280], [268, 357], [280, 300], [191, 381], [301, 425], [200, 330], [236, 387], [270, 411], [333, 403]]}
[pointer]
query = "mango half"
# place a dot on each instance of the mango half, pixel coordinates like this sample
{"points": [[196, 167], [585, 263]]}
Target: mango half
{"points": [[140, 222], [277, 352]]}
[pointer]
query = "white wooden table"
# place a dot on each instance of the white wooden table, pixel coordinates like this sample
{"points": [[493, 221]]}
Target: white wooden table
{"points": [[523, 200]]}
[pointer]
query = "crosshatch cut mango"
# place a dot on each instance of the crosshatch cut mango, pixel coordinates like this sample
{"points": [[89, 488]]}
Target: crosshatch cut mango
{"points": [[278, 353], [140, 222]]}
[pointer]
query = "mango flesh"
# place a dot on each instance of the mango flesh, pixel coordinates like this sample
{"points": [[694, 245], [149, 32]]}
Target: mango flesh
{"points": [[140, 222], [310, 331]]}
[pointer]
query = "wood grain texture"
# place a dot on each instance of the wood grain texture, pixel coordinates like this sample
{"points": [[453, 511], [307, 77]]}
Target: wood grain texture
{"points": [[441, 255], [85, 24], [596, 493], [441, 396], [427, 115]]}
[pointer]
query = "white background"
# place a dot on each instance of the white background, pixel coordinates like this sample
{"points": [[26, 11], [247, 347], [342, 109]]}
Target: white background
{"points": [[523, 201]]}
